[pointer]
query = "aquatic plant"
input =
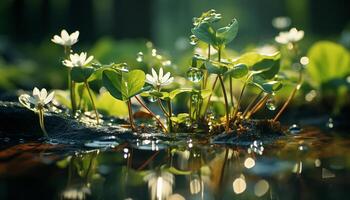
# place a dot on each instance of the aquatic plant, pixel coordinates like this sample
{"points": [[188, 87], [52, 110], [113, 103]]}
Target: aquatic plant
{"points": [[36, 103], [252, 69]]}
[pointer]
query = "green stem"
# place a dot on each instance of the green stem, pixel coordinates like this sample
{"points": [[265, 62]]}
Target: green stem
{"points": [[150, 112], [250, 105], [131, 120], [258, 106], [92, 101], [162, 107], [235, 112], [231, 92], [41, 121], [170, 115], [226, 105], [291, 96]]}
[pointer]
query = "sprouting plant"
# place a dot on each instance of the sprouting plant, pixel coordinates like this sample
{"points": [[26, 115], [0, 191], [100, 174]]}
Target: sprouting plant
{"points": [[36, 103], [67, 41], [218, 38], [290, 39], [80, 73]]}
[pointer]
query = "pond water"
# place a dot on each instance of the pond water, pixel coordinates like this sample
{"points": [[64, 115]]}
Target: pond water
{"points": [[310, 164]]}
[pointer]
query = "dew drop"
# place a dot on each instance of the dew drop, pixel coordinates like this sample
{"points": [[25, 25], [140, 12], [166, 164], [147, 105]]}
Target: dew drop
{"points": [[270, 104], [330, 123], [139, 57], [294, 129], [193, 40], [195, 74], [152, 98]]}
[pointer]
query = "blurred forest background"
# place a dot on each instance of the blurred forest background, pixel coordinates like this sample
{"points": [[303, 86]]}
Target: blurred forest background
{"points": [[115, 30]]}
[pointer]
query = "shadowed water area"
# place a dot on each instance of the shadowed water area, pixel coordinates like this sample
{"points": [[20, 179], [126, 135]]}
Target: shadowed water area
{"points": [[81, 161]]}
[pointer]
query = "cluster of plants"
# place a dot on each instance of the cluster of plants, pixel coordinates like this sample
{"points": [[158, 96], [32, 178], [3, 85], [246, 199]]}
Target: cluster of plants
{"points": [[212, 75]]}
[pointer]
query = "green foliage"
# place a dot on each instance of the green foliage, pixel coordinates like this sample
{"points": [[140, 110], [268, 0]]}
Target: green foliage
{"points": [[108, 105], [205, 31], [81, 74], [123, 86], [238, 71], [329, 62], [265, 85]]}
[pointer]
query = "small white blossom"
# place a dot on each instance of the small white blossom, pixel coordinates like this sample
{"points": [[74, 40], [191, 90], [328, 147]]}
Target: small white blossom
{"points": [[66, 39], [291, 36], [158, 80], [76, 60], [39, 98]]}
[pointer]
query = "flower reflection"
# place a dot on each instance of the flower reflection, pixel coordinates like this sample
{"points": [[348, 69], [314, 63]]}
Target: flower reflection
{"points": [[239, 185], [160, 184], [261, 187], [298, 167], [76, 193], [249, 163]]}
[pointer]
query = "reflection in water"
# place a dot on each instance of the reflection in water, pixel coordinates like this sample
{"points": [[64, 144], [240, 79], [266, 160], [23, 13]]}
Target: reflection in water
{"points": [[160, 184], [307, 165], [239, 185]]}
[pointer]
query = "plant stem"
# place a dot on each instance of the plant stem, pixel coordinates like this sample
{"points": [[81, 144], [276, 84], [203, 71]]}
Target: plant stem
{"points": [[258, 106], [170, 115], [226, 104], [212, 90], [41, 121], [235, 112], [92, 101], [231, 92], [162, 107], [251, 104], [71, 84], [291, 96], [131, 120], [150, 112]]}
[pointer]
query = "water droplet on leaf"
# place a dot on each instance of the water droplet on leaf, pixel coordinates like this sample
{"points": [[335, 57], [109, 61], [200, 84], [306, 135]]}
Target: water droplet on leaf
{"points": [[195, 74], [330, 123], [270, 104], [152, 98], [193, 40], [294, 129], [139, 57]]}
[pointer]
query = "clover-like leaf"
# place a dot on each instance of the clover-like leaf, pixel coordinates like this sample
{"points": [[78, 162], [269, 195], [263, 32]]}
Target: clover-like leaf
{"points": [[81, 74], [226, 34], [205, 33], [215, 68], [238, 71], [267, 86], [123, 86]]}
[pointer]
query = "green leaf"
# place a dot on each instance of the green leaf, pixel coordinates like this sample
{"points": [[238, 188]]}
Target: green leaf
{"points": [[238, 71], [226, 34], [134, 80], [106, 104], [81, 74], [267, 86], [263, 65], [174, 93], [205, 33], [271, 73], [180, 118], [328, 61], [112, 80], [251, 58], [123, 86], [215, 68]]}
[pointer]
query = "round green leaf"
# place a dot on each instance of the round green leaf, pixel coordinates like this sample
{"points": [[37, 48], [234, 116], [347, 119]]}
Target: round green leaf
{"points": [[81, 74], [238, 71]]}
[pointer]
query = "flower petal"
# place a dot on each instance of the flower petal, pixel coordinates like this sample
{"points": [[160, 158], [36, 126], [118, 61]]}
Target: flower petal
{"points": [[49, 98], [64, 35], [149, 79], [154, 74], [165, 77], [36, 92], [43, 94], [87, 61], [160, 75]]}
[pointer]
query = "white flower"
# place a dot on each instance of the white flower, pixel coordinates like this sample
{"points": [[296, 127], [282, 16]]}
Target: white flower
{"points": [[76, 60], [38, 98], [66, 39], [159, 80], [291, 36]]}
